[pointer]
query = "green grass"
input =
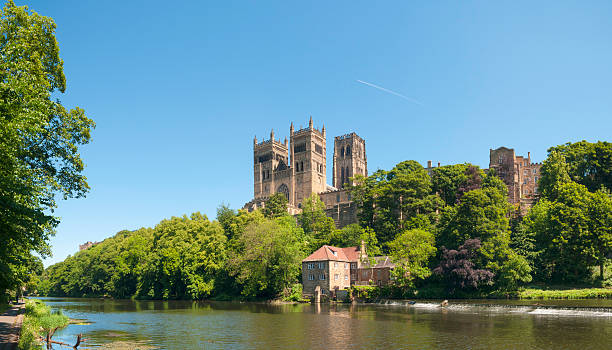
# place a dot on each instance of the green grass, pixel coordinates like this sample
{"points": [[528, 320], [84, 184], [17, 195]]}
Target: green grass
{"points": [[584, 293], [38, 321]]}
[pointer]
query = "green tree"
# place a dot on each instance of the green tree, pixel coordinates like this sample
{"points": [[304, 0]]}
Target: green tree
{"points": [[188, 253], [589, 164], [572, 232], [389, 201], [39, 139], [317, 226], [352, 236], [411, 251], [267, 257], [554, 173], [276, 206]]}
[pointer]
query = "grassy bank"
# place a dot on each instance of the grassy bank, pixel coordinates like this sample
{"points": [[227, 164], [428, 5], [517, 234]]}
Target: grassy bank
{"points": [[38, 321], [584, 293]]}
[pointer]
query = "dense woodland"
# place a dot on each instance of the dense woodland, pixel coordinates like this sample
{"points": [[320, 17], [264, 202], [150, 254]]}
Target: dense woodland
{"points": [[451, 234]]}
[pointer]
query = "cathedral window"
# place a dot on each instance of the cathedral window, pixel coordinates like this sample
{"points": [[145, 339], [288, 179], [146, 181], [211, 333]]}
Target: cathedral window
{"points": [[348, 151], [342, 152], [299, 148]]}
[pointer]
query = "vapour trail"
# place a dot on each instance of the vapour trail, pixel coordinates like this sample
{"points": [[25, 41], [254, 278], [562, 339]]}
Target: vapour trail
{"points": [[390, 91]]}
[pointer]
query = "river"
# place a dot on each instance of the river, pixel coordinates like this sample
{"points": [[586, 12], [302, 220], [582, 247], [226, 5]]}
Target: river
{"points": [[470, 324]]}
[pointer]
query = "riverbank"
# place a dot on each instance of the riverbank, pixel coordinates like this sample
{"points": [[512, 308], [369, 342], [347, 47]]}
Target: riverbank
{"points": [[38, 321], [581, 293]]}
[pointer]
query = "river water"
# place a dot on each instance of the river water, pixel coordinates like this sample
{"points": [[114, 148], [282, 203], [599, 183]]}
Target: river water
{"points": [[469, 324]]}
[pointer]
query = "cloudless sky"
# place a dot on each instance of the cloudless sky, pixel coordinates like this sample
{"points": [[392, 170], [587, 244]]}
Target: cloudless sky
{"points": [[178, 90]]}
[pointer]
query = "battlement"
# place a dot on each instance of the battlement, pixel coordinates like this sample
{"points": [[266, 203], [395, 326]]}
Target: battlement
{"points": [[349, 135]]}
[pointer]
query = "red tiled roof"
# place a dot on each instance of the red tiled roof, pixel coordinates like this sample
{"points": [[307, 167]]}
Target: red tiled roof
{"points": [[352, 253], [326, 252]]}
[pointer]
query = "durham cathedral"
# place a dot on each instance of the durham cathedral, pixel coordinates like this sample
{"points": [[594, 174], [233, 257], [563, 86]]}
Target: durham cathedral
{"points": [[298, 167]]}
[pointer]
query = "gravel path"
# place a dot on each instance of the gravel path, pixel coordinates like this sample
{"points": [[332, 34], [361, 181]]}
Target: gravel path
{"points": [[10, 324]]}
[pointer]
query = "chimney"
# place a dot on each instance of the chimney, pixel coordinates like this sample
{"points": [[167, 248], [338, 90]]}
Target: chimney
{"points": [[429, 163], [362, 251], [529, 156]]}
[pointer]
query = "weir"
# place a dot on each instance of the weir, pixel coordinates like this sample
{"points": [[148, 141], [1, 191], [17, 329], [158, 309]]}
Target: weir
{"points": [[529, 307]]}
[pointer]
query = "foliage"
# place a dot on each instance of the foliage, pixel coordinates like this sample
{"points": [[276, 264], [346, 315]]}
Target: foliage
{"points": [[586, 293], [39, 140], [411, 252], [458, 267], [276, 206], [294, 293], [589, 164], [573, 232], [268, 256], [38, 321], [352, 236], [389, 201], [317, 226]]}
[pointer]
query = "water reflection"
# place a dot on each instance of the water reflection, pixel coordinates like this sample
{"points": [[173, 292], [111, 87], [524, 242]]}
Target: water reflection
{"points": [[228, 325]]}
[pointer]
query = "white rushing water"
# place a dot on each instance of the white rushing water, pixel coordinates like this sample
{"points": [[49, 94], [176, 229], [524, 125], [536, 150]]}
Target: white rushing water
{"points": [[534, 309]]}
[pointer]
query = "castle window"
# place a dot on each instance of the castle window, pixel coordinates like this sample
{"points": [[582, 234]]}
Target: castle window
{"points": [[318, 149], [342, 152], [348, 151], [302, 166], [297, 166]]}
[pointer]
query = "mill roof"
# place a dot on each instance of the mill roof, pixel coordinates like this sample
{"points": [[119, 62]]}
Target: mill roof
{"points": [[327, 252], [379, 262]]}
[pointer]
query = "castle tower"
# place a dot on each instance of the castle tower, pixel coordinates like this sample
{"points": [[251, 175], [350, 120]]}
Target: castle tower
{"points": [[308, 148], [349, 159], [269, 167]]}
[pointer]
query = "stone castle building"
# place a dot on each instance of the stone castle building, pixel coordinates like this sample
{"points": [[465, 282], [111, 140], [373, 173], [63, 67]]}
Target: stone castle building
{"points": [[518, 173], [298, 167]]}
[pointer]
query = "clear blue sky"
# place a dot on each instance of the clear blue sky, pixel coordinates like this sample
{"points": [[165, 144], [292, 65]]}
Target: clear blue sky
{"points": [[178, 90]]}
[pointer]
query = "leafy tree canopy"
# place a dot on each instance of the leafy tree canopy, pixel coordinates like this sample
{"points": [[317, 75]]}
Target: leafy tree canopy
{"points": [[39, 138]]}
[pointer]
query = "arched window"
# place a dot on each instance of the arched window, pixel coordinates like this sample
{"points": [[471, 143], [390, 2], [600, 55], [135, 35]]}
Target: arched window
{"points": [[348, 151], [341, 177], [284, 190], [302, 166], [342, 152]]}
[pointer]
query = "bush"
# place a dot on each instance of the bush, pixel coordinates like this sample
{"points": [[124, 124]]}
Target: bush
{"points": [[294, 294], [39, 320]]}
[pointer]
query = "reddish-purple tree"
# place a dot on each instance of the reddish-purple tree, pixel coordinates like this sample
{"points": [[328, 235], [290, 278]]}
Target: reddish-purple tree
{"points": [[458, 267]]}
